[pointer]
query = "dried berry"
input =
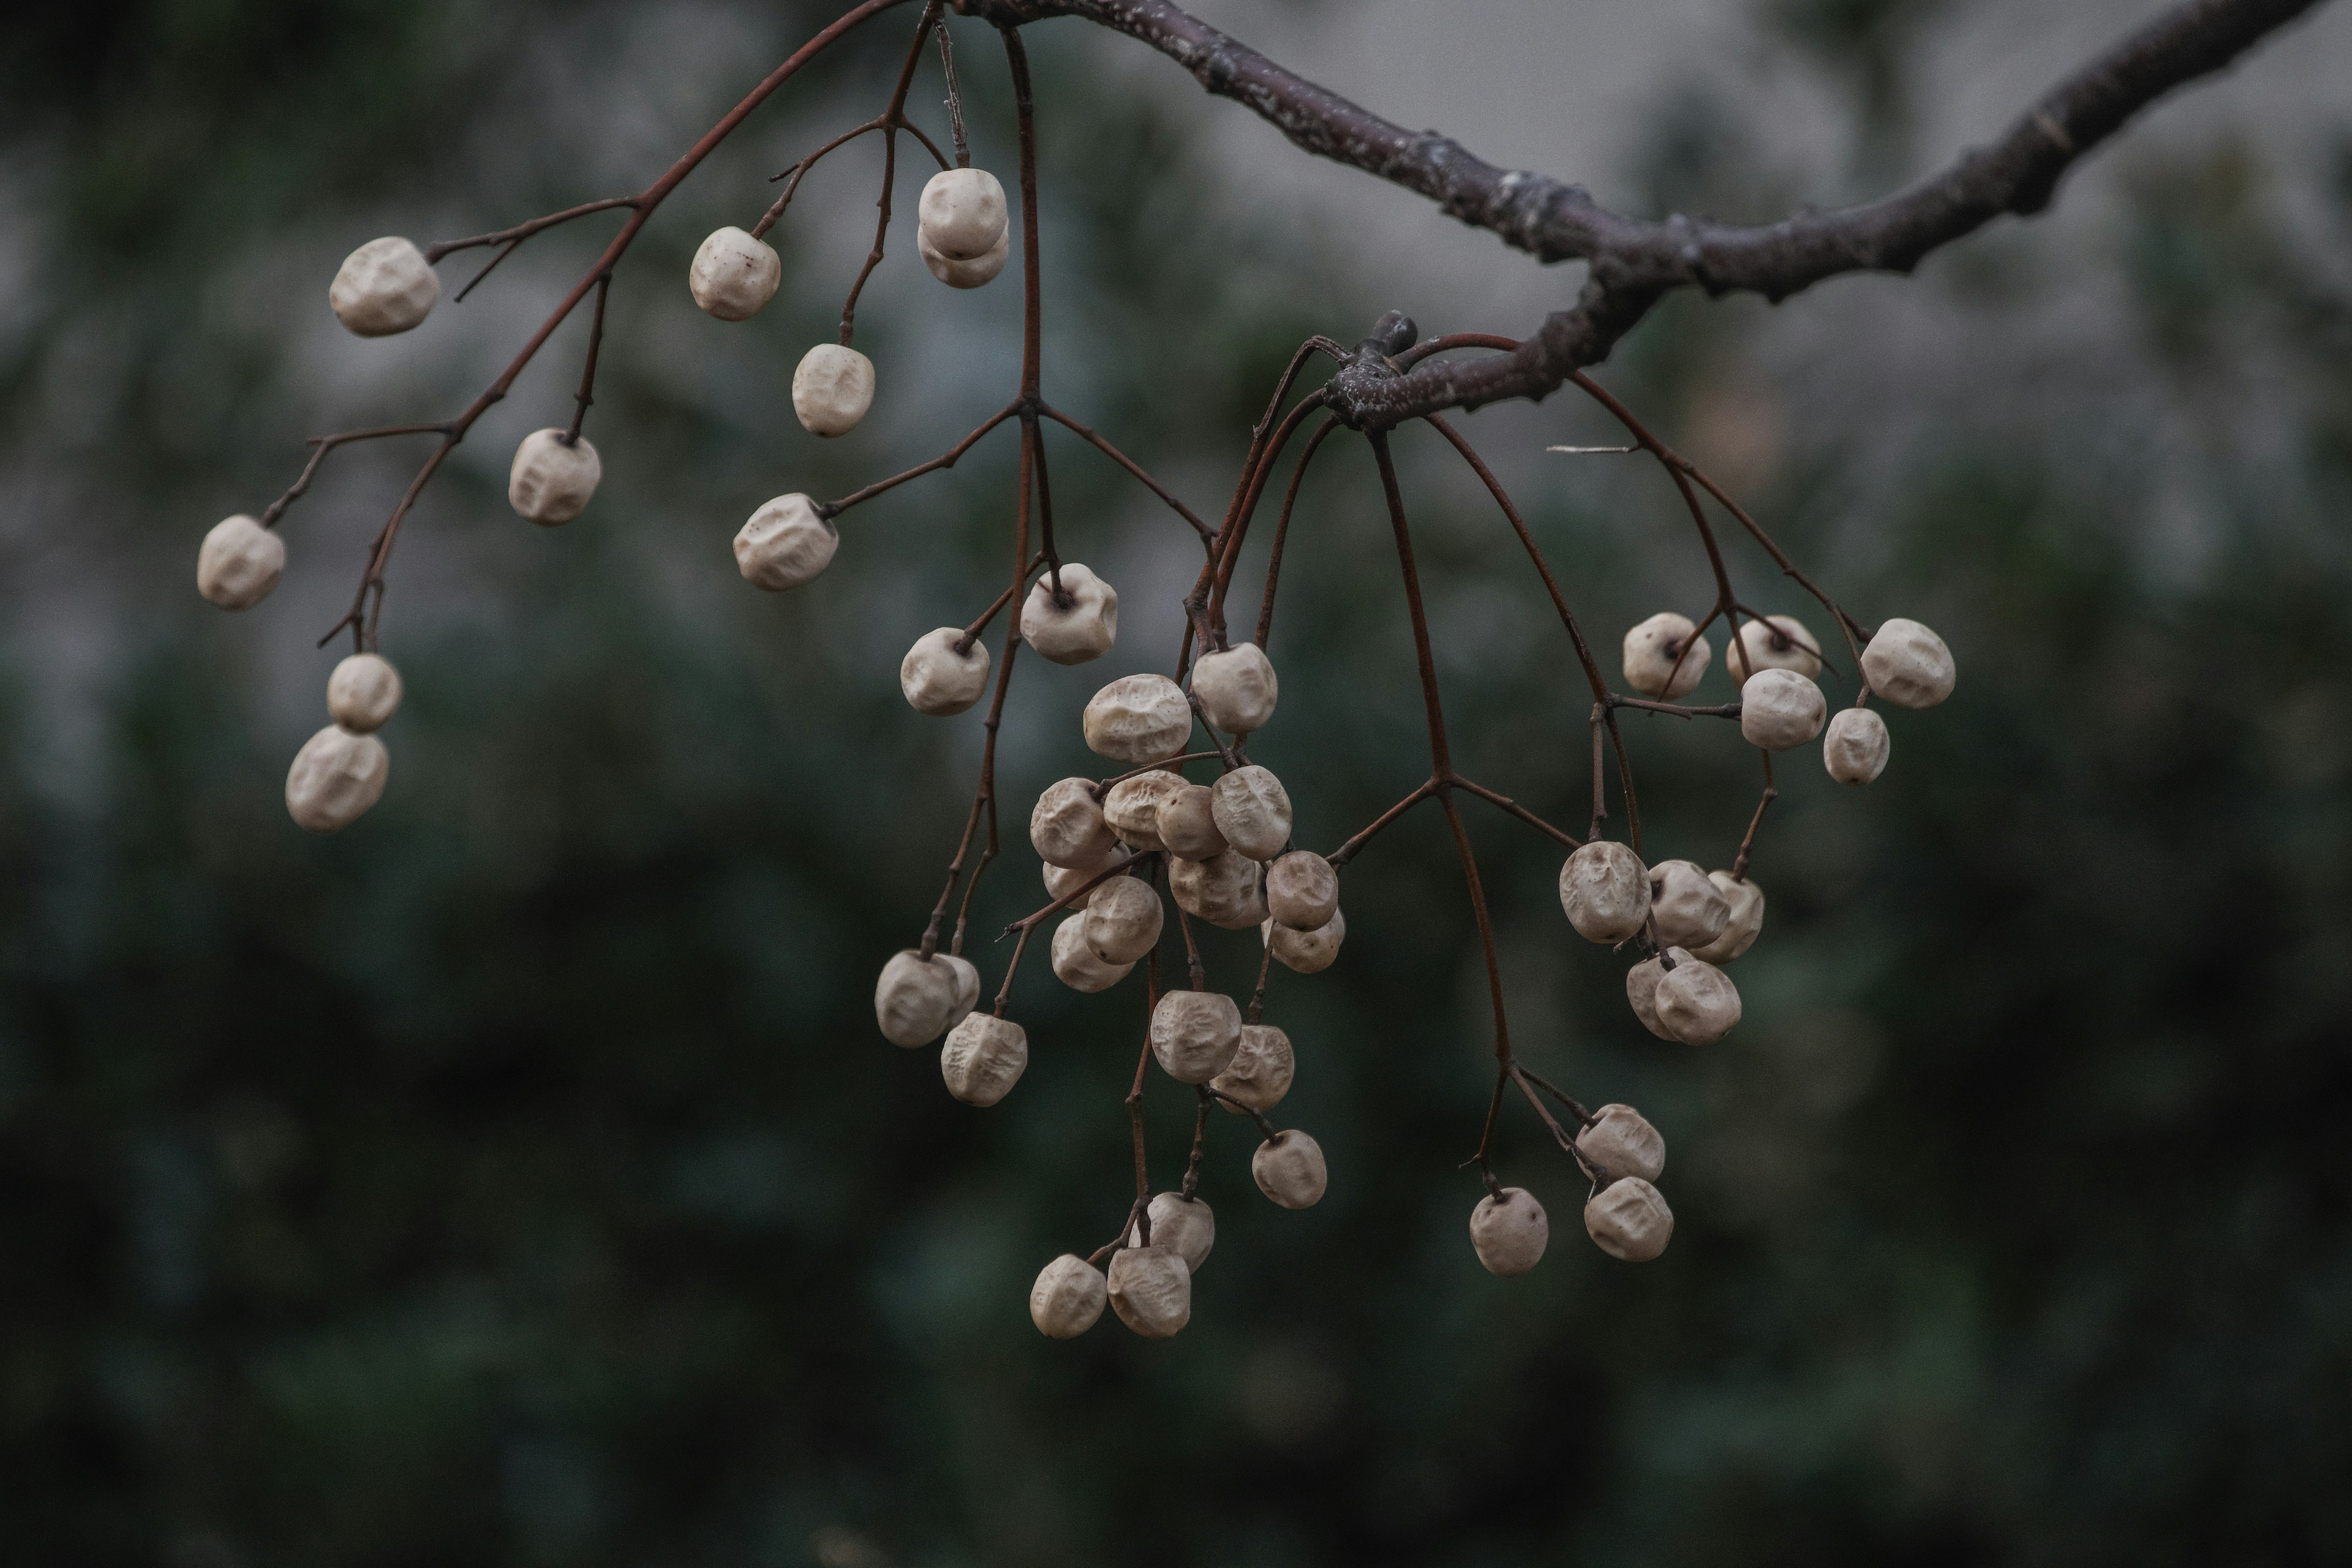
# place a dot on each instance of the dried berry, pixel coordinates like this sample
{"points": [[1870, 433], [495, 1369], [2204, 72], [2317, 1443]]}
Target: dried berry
{"points": [[1253, 811], [1779, 709], [1642, 990], [1078, 624], [1289, 1170], [734, 274], [1664, 656], [967, 994], [1854, 751], [1183, 1226], [336, 776], [239, 563], [785, 543], [832, 387], [384, 287], [1302, 891], [1307, 951], [1686, 908], [1745, 901], [1076, 964], [1195, 1034], [961, 214], [1509, 1231], [915, 998], [1908, 665], [1187, 824], [1629, 1220], [1697, 1003], [1777, 642], [363, 692], [1236, 688], [973, 274], [941, 675], [1123, 920], [1152, 1290], [551, 479], [1061, 879], [1067, 1298], [1622, 1141], [1138, 719], [1067, 828], [1223, 889], [1133, 807], [1260, 1073], [1605, 889], [983, 1058]]}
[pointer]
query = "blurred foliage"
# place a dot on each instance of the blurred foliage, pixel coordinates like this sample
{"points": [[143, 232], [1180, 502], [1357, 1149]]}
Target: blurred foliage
{"points": [[518, 1178]]}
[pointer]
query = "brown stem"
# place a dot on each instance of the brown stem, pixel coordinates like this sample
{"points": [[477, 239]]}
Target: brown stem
{"points": [[1133, 467], [946, 459], [891, 120], [322, 445], [588, 370], [1282, 529]]}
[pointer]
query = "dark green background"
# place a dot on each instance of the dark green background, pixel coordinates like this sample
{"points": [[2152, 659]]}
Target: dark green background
{"points": [[518, 1178]]}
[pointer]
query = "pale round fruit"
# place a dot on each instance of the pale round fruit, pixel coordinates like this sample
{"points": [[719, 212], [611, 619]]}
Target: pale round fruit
{"points": [[832, 387], [961, 214], [1855, 748], [1061, 879], [1260, 1073], [384, 287], [1641, 991], [1223, 889], [239, 563], [1289, 1170], [1152, 1290], [1185, 1227], [1629, 1220], [1253, 811], [1133, 807], [1067, 826], [1697, 1003], [1780, 709], [967, 994], [1605, 889], [733, 274], [785, 543], [550, 482], [915, 998], [1123, 920], [1138, 719], [1664, 656], [1777, 642], [1306, 951], [1509, 1229], [1237, 688], [1622, 1141], [1302, 891], [1067, 1298], [973, 274], [1745, 901], [1078, 966], [941, 675], [1194, 1033], [1079, 625], [1187, 824], [1908, 665], [1686, 908], [363, 692], [983, 1058], [336, 777]]}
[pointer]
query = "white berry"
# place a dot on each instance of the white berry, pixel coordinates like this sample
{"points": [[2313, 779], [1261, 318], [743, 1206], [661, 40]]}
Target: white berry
{"points": [[1253, 811], [915, 998], [983, 1058], [1686, 908], [1307, 951], [832, 387], [1061, 879], [336, 777], [1187, 824], [961, 214], [384, 287], [1123, 920], [980, 270], [1152, 1290], [785, 543], [1076, 964], [1622, 1141], [1078, 624], [1697, 1003], [1777, 642], [1509, 1229], [1223, 889], [1908, 665], [1664, 656], [1641, 991], [239, 563], [1195, 1034], [1629, 1220], [1289, 1170], [1185, 1227], [1237, 688], [1067, 826], [1779, 708], [1260, 1073], [1132, 806], [1302, 891], [1745, 901], [734, 274], [363, 692], [1855, 748], [941, 675], [1138, 719], [1605, 889], [551, 481], [1067, 1298]]}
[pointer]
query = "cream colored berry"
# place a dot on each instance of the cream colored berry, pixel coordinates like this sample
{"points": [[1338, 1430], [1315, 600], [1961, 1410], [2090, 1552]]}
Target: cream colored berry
{"points": [[1908, 665], [1605, 889], [1745, 901], [1138, 719], [1078, 966], [1302, 891], [1509, 1230], [550, 480], [1629, 1220], [1067, 1298], [915, 998], [967, 996], [1195, 1034], [785, 543], [734, 274], [973, 274], [1622, 1141], [1260, 1073], [1289, 1170], [1780, 709], [1187, 822], [1306, 951], [1253, 811], [1061, 879], [1854, 751], [1777, 642], [1185, 1227], [1664, 656], [1131, 807], [1078, 624], [941, 675], [832, 389], [1686, 908], [983, 1058], [1641, 991], [1236, 688], [1067, 828], [1223, 889], [1123, 920], [1152, 1290], [239, 563], [336, 777], [363, 692], [961, 214], [384, 287], [1697, 1003]]}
